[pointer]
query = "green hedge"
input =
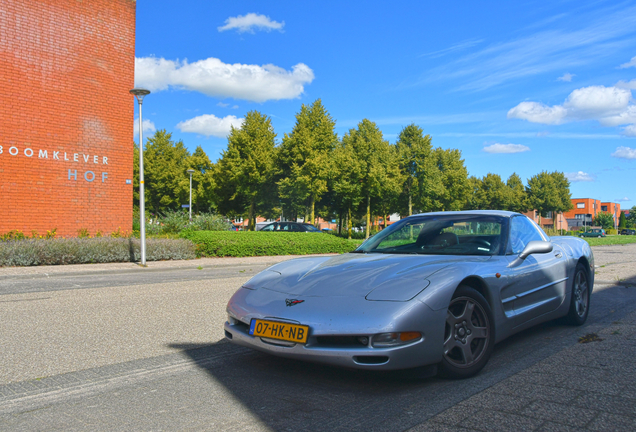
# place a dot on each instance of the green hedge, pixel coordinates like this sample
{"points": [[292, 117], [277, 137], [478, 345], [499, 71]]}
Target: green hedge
{"points": [[256, 243], [32, 252]]}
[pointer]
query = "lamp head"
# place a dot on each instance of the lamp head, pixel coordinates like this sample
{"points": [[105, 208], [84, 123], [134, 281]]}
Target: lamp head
{"points": [[139, 93], [190, 171]]}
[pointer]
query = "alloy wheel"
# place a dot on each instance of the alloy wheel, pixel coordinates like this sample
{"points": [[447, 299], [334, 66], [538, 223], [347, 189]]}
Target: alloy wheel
{"points": [[467, 332], [580, 293]]}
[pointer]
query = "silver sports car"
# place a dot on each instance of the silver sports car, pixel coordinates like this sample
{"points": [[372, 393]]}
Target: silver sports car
{"points": [[432, 289]]}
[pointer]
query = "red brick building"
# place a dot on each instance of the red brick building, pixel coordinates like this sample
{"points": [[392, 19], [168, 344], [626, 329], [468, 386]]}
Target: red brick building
{"points": [[614, 209], [584, 211], [550, 221], [66, 117]]}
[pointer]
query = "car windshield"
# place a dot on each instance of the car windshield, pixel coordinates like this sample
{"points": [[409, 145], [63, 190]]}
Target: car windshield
{"points": [[312, 228], [462, 234]]}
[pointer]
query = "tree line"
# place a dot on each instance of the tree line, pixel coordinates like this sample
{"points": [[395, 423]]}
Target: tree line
{"points": [[313, 173]]}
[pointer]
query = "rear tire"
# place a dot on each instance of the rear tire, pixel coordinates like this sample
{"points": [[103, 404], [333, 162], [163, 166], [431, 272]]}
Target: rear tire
{"points": [[469, 335], [581, 296]]}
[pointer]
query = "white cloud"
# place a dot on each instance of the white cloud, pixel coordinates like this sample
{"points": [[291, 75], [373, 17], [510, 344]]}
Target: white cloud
{"points": [[210, 125], [608, 105], [147, 126], [215, 78], [629, 130], [624, 153], [629, 64], [247, 23], [553, 48], [536, 112], [460, 46], [622, 199], [626, 117], [506, 148], [579, 176], [567, 77], [626, 84], [597, 101], [222, 105]]}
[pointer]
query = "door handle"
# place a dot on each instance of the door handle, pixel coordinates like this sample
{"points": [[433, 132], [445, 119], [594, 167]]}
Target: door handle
{"points": [[558, 255]]}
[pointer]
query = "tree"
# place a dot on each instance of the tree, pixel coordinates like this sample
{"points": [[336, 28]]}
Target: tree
{"points": [[622, 221], [165, 179], [454, 180], [378, 164], [476, 199], [495, 192], [421, 177], [202, 180], [244, 174], [386, 202], [305, 156], [517, 198], [491, 193], [346, 178], [549, 192], [631, 219], [605, 220]]}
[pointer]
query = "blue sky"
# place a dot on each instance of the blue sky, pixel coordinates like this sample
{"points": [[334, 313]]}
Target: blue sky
{"points": [[521, 86]]}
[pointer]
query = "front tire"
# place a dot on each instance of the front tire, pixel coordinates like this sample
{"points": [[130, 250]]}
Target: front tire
{"points": [[581, 296], [469, 336]]}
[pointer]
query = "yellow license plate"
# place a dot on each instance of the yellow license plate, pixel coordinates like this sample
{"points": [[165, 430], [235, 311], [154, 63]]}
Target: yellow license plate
{"points": [[279, 330]]}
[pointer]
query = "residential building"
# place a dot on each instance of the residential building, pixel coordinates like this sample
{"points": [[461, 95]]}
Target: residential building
{"points": [[614, 209], [549, 221], [583, 213]]}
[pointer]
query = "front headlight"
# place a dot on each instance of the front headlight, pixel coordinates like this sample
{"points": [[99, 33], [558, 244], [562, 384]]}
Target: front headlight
{"points": [[384, 340]]}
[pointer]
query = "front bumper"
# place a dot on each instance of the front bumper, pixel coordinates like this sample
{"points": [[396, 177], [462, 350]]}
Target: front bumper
{"points": [[423, 352]]}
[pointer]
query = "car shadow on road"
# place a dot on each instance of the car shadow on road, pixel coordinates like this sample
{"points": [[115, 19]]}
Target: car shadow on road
{"points": [[294, 395]]}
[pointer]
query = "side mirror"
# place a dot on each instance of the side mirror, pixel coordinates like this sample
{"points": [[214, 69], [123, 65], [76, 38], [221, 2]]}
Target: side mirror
{"points": [[535, 247]]}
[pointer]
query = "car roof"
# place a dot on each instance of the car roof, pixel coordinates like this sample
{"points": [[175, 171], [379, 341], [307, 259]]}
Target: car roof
{"points": [[501, 213]]}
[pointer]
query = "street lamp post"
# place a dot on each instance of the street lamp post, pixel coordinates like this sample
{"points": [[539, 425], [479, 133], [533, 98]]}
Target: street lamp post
{"points": [[139, 93], [190, 171]]}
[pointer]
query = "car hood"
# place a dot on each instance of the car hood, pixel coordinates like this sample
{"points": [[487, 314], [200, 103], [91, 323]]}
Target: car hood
{"points": [[379, 277]]}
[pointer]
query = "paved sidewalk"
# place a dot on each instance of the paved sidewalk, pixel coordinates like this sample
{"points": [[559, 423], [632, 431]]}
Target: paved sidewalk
{"points": [[615, 264], [588, 386]]}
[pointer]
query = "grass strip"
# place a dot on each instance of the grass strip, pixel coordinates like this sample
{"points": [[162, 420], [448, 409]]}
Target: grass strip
{"points": [[610, 240]]}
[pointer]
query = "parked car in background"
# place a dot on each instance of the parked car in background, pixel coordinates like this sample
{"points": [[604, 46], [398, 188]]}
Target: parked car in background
{"points": [[594, 232], [290, 227], [628, 232]]}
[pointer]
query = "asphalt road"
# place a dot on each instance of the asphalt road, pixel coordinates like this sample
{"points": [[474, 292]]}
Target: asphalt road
{"points": [[132, 349]]}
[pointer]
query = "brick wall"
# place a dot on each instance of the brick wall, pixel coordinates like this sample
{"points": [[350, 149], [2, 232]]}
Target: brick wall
{"points": [[66, 117]]}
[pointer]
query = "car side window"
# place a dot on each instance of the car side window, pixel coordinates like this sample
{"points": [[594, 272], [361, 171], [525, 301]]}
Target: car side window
{"points": [[284, 227], [522, 232], [269, 227]]}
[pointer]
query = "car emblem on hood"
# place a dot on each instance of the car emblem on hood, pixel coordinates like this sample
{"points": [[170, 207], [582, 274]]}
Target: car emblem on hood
{"points": [[292, 302]]}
